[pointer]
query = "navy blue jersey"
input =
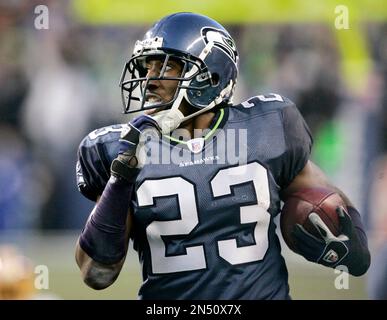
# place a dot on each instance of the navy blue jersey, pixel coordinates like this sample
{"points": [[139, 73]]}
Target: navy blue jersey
{"points": [[203, 210]]}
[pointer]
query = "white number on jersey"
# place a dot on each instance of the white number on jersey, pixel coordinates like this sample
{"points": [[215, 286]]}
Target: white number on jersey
{"points": [[194, 258], [264, 98]]}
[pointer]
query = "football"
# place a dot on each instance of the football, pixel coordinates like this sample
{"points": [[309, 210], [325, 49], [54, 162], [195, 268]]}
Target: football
{"points": [[299, 205]]}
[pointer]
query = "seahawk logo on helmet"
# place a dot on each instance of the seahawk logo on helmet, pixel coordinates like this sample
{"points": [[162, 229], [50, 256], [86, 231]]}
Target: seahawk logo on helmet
{"points": [[222, 40]]}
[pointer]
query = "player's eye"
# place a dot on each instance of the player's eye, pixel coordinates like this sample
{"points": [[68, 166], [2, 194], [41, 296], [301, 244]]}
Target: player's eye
{"points": [[173, 66], [169, 67], [152, 68]]}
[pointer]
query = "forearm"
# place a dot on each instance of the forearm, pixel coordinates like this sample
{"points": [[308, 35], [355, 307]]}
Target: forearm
{"points": [[105, 236], [353, 243], [103, 243], [96, 275]]}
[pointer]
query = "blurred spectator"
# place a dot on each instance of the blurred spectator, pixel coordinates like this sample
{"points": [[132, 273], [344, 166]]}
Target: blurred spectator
{"points": [[377, 285], [377, 204], [16, 275], [58, 110], [18, 207], [23, 184], [302, 64]]}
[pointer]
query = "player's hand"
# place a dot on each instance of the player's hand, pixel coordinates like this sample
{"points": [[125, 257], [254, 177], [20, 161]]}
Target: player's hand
{"points": [[126, 165], [329, 250]]}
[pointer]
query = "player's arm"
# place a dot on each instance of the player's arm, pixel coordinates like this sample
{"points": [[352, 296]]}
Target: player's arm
{"points": [[311, 176], [104, 251], [351, 244], [102, 246]]}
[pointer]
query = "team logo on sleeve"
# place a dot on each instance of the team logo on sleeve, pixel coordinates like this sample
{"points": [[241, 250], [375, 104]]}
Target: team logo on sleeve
{"points": [[221, 40]]}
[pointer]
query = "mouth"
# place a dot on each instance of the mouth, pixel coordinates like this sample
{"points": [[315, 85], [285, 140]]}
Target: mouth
{"points": [[152, 99]]}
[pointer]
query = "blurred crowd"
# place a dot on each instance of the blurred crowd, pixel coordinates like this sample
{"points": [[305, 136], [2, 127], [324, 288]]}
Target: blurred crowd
{"points": [[57, 85]]}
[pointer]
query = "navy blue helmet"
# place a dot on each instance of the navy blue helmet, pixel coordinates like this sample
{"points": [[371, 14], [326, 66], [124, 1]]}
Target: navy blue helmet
{"points": [[208, 56]]}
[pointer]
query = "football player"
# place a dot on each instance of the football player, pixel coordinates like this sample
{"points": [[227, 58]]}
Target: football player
{"points": [[202, 223]]}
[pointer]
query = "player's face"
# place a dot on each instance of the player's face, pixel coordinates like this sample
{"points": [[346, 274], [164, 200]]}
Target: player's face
{"points": [[161, 91]]}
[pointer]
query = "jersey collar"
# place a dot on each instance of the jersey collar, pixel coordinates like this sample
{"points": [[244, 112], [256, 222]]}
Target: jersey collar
{"points": [[217, 122]]}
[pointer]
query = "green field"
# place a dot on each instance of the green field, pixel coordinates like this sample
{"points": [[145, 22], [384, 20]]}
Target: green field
{"points": [[56, 251]]}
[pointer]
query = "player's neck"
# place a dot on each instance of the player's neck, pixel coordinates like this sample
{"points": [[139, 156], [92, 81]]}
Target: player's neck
{"points": [[197, 125], [194, 127]]}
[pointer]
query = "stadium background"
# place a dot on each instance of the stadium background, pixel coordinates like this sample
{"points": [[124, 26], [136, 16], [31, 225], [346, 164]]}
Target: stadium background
{"points": [[58, 84]]}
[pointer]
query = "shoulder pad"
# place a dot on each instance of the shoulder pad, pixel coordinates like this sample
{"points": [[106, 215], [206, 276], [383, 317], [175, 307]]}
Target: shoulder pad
{"points": [[95, 155], [261, 104], [105, 134], [266, 102]]}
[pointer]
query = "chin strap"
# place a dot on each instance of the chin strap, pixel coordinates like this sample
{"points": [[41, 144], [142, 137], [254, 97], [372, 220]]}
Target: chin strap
{"points": [[168, 120]]}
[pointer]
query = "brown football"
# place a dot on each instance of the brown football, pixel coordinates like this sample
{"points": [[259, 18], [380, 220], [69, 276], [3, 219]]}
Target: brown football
{"points": [[299, 205]]}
